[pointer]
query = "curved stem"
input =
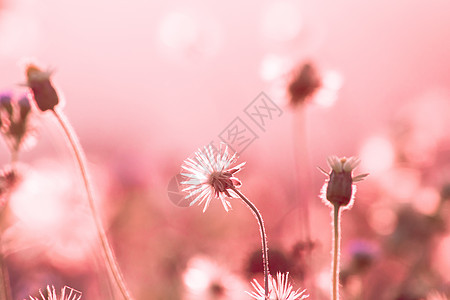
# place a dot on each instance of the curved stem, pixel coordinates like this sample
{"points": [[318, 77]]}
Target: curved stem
{"points": [[81, 160], [336, 251], [262, 231]]}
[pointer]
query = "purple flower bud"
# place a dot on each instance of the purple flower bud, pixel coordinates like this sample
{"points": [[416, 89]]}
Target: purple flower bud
{"points": [[25, 107], [5, 102]]}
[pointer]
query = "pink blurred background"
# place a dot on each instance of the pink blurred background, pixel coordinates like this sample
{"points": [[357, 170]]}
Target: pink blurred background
{"points": [[146, 83]]}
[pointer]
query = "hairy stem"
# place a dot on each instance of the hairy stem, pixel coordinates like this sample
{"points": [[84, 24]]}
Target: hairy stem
{"points": [[336, 251], [262, 231], [81, 160]]}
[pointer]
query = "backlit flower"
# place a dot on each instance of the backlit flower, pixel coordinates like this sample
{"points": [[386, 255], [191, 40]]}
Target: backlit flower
{"points": [[208, 176], [42, 88], [67, 293], [279, 289], [339, 188]]}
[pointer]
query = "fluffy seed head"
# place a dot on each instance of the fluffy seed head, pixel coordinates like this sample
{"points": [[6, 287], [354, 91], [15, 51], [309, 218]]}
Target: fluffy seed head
{"points": [[67, 293], [279, 289], [209, 175]]}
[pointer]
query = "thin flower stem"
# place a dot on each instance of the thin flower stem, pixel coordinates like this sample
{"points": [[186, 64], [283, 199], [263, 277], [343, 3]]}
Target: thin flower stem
{"points": [[301, 158], [14, 158], [262, 231], [5, 286], [81, 160], [336, 251]]}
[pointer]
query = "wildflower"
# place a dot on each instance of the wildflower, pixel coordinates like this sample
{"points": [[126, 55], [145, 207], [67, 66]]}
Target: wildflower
{"points": [[67, 293], [280, 289], [305, 83], [46, 98], [339, 188], [209, 176], [15, 122], [42, 88]]}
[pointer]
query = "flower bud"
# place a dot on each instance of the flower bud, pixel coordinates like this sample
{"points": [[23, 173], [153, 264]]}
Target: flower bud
{"points": [[25, 107], [340, 188], [42, 88], [5, 102]]}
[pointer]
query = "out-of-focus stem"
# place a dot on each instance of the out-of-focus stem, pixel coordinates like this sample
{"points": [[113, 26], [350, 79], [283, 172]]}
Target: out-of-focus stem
{"points": [[262, 231], [5, 293], [14, 158], [81, 160], [302, 166], [336, 251], [5, 286]]}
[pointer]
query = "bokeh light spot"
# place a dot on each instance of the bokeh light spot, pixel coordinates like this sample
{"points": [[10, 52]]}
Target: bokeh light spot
{"points": [[382, 220], [178, 30], [188, 34], [400, 183], [196, 279], [327, 95], [18, 33], [377, 155], [38, 201], [426, 201], [281, 21], [272, 67]]}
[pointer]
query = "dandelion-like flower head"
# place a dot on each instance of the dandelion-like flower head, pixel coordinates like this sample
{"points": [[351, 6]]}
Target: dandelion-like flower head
{"points": [[67, 293], [339, 188], [209, 175], [279, 289]]}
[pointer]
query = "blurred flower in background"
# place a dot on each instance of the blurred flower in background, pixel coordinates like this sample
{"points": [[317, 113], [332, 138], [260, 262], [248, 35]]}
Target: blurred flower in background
{"points": [[206, 279], [143, 79]]}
